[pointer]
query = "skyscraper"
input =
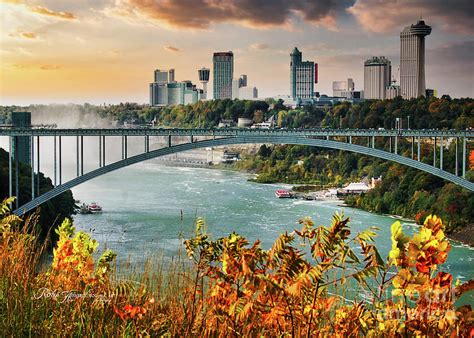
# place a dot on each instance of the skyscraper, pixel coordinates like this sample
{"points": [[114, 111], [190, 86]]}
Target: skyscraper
{"points": [[412, 60], [377, 77], [223, 63], [302, 76]]}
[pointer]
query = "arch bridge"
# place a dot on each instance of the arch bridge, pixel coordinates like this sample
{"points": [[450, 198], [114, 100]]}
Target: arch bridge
{"points": [[339, 139]]}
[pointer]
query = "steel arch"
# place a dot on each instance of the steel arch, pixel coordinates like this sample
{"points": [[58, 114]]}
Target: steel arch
{"points": [[244, 140]]}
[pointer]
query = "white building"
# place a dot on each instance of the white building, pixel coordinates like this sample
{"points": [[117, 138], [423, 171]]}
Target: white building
{"points": [[377, 77]]}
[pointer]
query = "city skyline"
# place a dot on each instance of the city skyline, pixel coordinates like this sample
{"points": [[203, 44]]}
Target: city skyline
{"points": [[104, 51]]}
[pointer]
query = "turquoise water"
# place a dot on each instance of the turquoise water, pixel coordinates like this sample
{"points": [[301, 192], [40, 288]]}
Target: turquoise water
{"points": [[143, 205]]}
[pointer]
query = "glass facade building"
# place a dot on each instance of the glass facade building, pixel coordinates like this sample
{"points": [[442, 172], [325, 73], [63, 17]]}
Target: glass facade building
{"points": [[223, 63]]}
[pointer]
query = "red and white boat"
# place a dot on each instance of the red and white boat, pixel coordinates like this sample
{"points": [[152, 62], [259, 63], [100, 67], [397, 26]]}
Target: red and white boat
{"points": [[282, 193], [94, 208]]}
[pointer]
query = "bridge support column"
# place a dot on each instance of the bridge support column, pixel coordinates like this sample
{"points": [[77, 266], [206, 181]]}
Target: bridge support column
{"points": [[390, 143], [368, 141], [464, 157], [17, 187], [434, 153], [396, 144], [412, 147], [103, 150], [350, 139], [147, 144], [191, 139], [441, 153], [82, 155], [100, 151], [10, 168], [32, 155], [38, 192], [55, 163], [60, 162], [169, 141], [456, 159], [77, 156], [125, 146], [123, 151], [419, 150], [373, 141], [327, 137]]}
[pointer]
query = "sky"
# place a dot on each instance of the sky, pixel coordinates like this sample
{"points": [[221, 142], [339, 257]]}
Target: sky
{"points": [[105, 51]]}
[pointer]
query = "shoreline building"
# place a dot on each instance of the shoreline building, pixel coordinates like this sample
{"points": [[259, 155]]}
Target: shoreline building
{"points": [[204, 79], [377, 77], [165, 91], [412, 60], [223, 63], [303, 76]]}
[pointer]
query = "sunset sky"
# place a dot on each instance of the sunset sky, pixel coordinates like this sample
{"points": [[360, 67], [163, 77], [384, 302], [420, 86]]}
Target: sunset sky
{"points": [[100, 51]]}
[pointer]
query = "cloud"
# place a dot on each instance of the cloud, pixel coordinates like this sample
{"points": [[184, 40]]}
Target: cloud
{"points": [[28, 35], [171, 49], [259, 46], [41, 10], [46, 11], [381, 16], [32, 66], [202, 14]]}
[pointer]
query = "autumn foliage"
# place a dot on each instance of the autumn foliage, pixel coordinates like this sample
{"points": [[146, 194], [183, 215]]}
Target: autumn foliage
{"points": [[309, 283]]}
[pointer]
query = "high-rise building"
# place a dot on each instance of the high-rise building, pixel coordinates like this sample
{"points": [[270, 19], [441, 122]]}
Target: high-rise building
{"points": [[377, 77], [204, 79], [412, 60], [166, 91], [303, 76], [223, 63]]}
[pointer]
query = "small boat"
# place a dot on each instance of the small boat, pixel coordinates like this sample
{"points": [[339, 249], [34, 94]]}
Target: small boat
{"points": [[94, 208], [282, 193]]}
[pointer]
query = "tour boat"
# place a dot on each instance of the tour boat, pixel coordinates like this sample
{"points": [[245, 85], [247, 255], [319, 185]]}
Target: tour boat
{"points": [[95, 208], [282, 194]]}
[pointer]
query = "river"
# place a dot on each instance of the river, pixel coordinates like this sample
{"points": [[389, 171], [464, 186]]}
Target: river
{"points": [[149, 209]]}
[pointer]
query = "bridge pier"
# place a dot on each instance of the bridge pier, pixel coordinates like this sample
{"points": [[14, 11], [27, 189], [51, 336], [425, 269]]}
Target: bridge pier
{"points": [[456, 159], [77, 156], [37, 165], [103, 150], [82, 155], [17, 189], [464, 157], [32, 151], [60, 161], [396, 144], [434, 152], [100, 151], [10, 168], [125, 146], [55, 164], [373, 141], [441, 140], [412, 147], [419, 149], [169, 141]]}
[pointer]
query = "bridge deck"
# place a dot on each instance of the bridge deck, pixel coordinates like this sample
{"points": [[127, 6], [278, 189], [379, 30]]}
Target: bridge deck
{"points": [[228, 132]]}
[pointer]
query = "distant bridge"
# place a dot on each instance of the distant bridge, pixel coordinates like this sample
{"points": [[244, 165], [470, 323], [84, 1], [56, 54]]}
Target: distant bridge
{"points": [[341, 139]]}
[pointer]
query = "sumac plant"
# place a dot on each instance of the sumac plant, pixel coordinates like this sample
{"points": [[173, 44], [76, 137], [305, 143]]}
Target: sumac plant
{"points": [[295, 287]]}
